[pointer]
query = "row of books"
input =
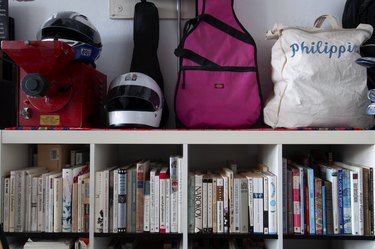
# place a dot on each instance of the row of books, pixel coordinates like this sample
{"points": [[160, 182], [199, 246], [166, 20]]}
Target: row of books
{"points": [[144, 196], [328, 198], [233, 201], [39, 200]]}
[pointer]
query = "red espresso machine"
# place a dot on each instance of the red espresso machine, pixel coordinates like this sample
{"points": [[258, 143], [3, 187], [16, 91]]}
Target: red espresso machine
{"points": [[53, 89]]}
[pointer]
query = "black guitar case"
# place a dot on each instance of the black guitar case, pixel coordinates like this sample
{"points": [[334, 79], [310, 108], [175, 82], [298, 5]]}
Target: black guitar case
{"points": [[146, 40]]}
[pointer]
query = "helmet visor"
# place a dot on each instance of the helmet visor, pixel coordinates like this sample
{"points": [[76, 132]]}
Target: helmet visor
{"points": [[133, 98]]}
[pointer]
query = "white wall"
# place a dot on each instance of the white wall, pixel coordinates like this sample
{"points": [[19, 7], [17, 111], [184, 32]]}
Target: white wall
{"points": [[257, 16]]}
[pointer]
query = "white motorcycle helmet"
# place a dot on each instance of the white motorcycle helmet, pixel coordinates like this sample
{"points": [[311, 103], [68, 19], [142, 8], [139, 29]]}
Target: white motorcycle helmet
{"points": [[134, 100]]}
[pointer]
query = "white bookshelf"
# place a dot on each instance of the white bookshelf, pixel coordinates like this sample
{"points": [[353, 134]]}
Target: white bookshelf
{"points": [[204, 149]]}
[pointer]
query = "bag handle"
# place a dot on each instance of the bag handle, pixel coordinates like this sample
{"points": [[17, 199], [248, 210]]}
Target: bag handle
{"points": [[332, 20]]}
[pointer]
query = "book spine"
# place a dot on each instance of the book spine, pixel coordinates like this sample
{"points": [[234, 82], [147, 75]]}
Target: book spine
{"points": [[98, 203], [366, 209], [168, 206], [105, 194], [318, 217], [290, 227], [162, 207], [340, 202], [226, 205], [335, 203], [173, 172], [236, 202], [265, 205], [371, 201], [209, 205], [204, 205], [361, 202], [6, 203], [67, 176], [122, 198], [347, 202], [80, 211], [302, 199], [250, 186], [146, 222], [244, 214], [40, 205], [191, 203], [12, 200], [20, 197], [115, 201], [179, 196], [86, 205], [152, 201], [310, 179], [214, 204], [355, 212], [142, 169], [75, 207], [324, 211], [258, 205], [157, 203], [111, 201], [220, 204], [272, 204], [296, 202], [34, 205], [133, 201], [27, 211], [198, 191], [57, 207], [329, 207]]}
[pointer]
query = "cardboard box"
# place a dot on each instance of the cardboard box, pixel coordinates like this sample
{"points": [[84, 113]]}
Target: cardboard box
{"points": [[54, 156]]}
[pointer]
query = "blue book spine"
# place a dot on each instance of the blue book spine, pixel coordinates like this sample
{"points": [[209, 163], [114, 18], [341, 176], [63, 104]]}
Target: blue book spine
{"points": [[340, 197], [324, 221], [310, 185], [347, 201], [302, 202]]}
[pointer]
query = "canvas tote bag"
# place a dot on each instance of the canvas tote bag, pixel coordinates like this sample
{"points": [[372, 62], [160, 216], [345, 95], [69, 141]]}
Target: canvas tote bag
{"points": [[316, 80]]}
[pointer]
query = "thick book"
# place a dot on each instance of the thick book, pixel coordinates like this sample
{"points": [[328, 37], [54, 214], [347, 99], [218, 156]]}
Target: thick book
{"points": [[244, 210], [143, 169], [296, 200], [6, 204], [121, 175], [302, 182], [50, 201], [147, 204], [226, 202], [328, 207], [214, 203], [80, 202], [153, 206], [236, 202], [229, 174]]}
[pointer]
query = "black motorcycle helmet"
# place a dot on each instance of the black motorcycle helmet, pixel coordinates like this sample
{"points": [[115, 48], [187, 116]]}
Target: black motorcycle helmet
{"points": [[74, 29]]}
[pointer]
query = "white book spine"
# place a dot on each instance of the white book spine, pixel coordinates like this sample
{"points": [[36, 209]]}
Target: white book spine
{"points": [[40, 216], [168, 206], [250, 185], [335, 206], [209, 206], [258, 205], [265, 205], [198, 186], [220, 204], [51, 201], [179, 197], [157, 203], [236, 204], [34, 204], [98, 203], [80, 205], [115, 201], [226, 205], [361, 204], [67, 177], [204, 205], [57, 207], [355, 203], [27, 211], [20, 196], [214, 204], [152, 200], [173, 171], [12, 200], [6, 203], [272, 204], [105, 193]]}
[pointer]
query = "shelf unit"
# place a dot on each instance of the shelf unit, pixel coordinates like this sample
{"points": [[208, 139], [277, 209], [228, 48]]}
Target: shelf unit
{"points": [[205, 149]]}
